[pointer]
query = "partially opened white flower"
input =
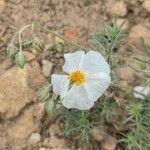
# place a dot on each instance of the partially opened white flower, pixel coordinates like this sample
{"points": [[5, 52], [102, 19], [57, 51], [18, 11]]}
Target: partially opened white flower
{"points": [[90, 75], [141, 91]]}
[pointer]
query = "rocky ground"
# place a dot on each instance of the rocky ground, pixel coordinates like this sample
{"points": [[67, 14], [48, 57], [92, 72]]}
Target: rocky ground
{"points": [[21, 116]]}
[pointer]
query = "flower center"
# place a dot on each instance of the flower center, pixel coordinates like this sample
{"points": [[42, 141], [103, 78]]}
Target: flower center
{"points": [[77, 77]]}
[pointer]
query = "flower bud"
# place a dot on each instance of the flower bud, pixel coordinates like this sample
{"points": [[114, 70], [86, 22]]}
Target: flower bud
{"points": [[20, 59], [38, 45], [26, 43], [44, 93], [50, 107], [12, 51], [59, 47]]}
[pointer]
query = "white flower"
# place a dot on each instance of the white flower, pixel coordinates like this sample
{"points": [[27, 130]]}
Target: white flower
{"points": [[90, 75], [141, 91]]}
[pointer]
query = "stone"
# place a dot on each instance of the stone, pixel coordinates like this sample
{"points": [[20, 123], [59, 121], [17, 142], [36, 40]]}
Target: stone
{"points": [[126, 74], [55, 142], [18, 145], [36, 77], [146, 5], [46, 142], [61, 149], [5, 65], [98, 134], [43, 148], [2, 5], [29, 56], [118, 8], [39, 111], [54, 130], [138, 31], [34, 138], [14, 92], [17, 89], [46, 67], [109, 143], [23, 126], [123, 85]]}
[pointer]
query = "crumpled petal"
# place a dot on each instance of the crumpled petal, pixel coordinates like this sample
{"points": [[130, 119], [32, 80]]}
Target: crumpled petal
{"points": [[96, 85], [73, 61], [60, 84], [94, 62], [141, 91], [77, 98]]}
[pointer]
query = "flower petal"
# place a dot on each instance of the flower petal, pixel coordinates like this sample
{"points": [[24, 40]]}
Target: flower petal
{"points": [[60, 84], [77, 98], [141, 91], [94, 62], [96, 85], [73, 61]]}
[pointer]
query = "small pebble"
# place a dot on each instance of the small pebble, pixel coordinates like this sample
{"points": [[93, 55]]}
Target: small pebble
{"points": [[119, 8], [46, 67], [34, 138], [43, 148], [146, 5]]}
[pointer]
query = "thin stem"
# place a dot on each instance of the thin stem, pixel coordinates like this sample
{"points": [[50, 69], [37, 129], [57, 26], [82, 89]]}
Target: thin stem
{"points": [[20, 41], [19, 33], [143, 71], [24, 28], [13, 39], [82, 114], [60, 36], [100, 44]]}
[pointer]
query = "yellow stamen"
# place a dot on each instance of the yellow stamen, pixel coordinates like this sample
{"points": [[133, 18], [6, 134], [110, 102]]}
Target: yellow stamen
{"points": [[78, 77]]}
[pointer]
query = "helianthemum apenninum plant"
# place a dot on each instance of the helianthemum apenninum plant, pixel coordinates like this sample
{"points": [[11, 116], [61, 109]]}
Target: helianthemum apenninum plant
{"points": [[138, 137], [83, 92]]}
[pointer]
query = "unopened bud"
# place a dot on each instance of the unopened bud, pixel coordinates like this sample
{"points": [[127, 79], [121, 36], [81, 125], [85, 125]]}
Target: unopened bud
{"points": [[50, 107], [20, 60], [44, 93], [38, 45], [59, 47], [26, 43], [12, 51]]}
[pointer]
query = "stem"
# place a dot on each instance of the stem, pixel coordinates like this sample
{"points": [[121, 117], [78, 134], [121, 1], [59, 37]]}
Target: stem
{"points": [[137, 70], [60, 36], [19, 33], [100, 44], [20, 41], [82, 114], [12, 41], [24, 28]]}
